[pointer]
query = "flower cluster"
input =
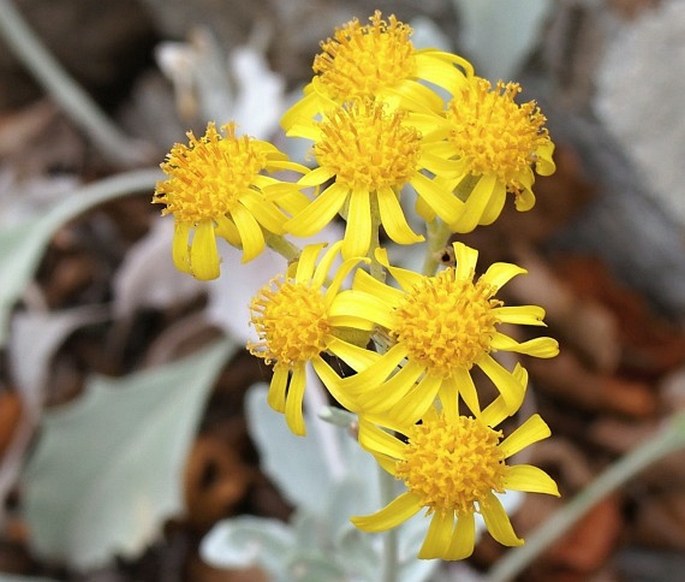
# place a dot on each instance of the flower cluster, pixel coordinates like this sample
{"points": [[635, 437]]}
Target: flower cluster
{"points": [[389, 125]]}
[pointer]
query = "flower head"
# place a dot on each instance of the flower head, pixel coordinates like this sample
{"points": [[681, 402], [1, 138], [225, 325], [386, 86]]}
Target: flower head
{"points": [[291, 316], [497, 144], [438, 329], [377, 60], [371, 152], [453, 466], [216, 186]]}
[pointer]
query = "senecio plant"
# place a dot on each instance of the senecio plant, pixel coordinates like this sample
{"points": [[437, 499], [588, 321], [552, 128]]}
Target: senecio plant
{"points": [[390, 125]]}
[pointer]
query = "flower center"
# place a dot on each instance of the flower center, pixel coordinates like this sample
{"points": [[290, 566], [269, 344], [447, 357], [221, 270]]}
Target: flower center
{"points": [[363, 60], [446, 324], [450, 464], [291, 322], [367, 147], [207, 177], [493, 133]]}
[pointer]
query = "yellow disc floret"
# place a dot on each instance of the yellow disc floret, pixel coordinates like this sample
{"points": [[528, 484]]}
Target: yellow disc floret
{"points": [[446, 324], [367, 147], [452, 464], [495, 135], [291, 322], [207, 177], [361, 60]]}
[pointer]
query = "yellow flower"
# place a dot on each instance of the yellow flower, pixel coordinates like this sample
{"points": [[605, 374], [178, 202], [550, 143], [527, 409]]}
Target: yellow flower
{"points": [[215, 186], [497, 144], [377, 60], [292, 320], [371, 153], [437, 329], [453, 466]]}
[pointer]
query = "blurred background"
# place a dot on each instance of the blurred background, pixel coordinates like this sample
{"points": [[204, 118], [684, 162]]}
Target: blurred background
{"points": [[99, 298]]}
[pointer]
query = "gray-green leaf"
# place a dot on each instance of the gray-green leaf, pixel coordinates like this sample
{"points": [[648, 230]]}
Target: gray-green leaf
{"points": [[107, 468], [23, 245]]}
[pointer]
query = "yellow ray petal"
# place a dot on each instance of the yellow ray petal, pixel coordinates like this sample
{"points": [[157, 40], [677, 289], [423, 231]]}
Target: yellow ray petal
{"points": [[415, 403], [463, 538], [307, 262], [545, 165], [180, 249], [277, 388], [397, 511], [303, 109], [381, 396], [497, 521], [520, 314], [316, 177], [539, 347], [524, 200], [466, 259], [406, 278], [499, 274], [356, 305], [370, 378], [533, 430], [287, 165], [265, 212], [333, 383], [438, 71], [358, 229], [319, 213], [509, 387], [355, 357], [293, 401], [448, 395], [339, 278], [423, 210], [438, 537], [417, 97], [495, 205], [251, 234], [393, 220], [226, 229], [368, 284], [530, 479], [467, 390], [498, 409], [204, 256], [443, 203], [376, 440], [475, 204]]}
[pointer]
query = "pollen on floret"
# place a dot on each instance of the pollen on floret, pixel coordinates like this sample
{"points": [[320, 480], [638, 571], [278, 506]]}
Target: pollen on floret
{"points": [[207, 176], [450, 464], [291, 322], [362, 60], [446, 324], [368, 147], [493, 134]]}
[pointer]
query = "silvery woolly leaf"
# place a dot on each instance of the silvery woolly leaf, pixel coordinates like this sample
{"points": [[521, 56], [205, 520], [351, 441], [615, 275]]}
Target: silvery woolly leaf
{"points": [[296, 464], [39, 335], [147, 276], [22, 245], [107, 468], [499, 34], [245, 541], [313, 567]]}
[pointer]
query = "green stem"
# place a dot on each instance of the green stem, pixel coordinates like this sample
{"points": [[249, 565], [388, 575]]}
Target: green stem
{"points": [[282, 246], [438, 235], [376, 269], [74, 101], [390, 556], [666, 441]]}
